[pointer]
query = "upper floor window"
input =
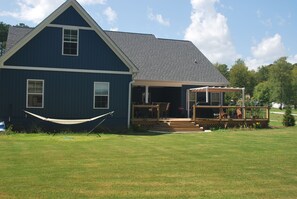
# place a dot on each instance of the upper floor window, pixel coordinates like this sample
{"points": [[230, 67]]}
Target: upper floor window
{"points": [[35, 93], [70, 42]]}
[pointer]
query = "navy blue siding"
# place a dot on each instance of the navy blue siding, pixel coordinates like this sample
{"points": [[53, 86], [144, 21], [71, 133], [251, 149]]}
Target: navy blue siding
{"points": [[70, 17], [67, 95], [45, 50]]}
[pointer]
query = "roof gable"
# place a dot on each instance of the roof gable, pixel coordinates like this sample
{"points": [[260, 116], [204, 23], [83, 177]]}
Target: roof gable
{"points": [[70, 17], [55, 17]]}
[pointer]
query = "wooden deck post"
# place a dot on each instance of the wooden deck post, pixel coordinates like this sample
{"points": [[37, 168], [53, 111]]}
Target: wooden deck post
{"points": [[158, 112], [268, 113], [194, 112], [133, 111]]}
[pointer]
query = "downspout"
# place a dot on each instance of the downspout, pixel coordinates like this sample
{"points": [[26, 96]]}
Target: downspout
{"points": [[129, 102]]}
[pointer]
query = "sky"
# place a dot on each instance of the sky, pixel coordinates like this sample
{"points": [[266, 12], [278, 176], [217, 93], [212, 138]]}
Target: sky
{"points": [[257, 31]]}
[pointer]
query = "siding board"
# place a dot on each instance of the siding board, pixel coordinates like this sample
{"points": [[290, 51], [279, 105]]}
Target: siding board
{"points": [[45, 50], [67, 96], [70, 17]]}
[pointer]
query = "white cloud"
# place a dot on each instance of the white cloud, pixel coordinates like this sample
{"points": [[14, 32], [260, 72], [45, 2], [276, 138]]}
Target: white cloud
{"points": [[158, 18], [114, 29], [210, 33], [292, 59], [37, 10], [110, 14], [266, 52]]}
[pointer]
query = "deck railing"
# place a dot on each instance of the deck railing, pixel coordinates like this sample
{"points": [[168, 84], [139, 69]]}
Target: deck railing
{"points": [[145, 111], [231, 112]]}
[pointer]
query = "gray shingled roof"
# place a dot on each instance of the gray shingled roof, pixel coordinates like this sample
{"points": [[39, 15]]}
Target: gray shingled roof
{"points": [[156, 59], [15, 34]]}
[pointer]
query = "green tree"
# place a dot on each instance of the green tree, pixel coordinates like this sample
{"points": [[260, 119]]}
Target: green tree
{"points": [[22, 25], [288, 119], [262, 93], [224, 70], [262, 74], [281, 80], [240, 76], [3, 36]]}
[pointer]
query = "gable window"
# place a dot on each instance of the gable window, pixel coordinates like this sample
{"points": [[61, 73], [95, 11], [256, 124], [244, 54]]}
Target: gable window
{"points": [[70, 42], [101, 95], [35, 93]]}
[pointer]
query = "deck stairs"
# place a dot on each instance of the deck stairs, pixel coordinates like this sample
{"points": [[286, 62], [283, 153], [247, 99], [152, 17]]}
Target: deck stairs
{"points": [[176, 126]]}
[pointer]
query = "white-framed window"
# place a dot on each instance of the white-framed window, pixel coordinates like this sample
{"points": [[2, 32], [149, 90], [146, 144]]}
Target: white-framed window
{"points": [[101, 95], [215, 99], [70, 42], [35, 93]]}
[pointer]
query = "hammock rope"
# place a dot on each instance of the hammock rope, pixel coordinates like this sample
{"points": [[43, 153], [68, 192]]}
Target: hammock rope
{"points": [[68, 121]]}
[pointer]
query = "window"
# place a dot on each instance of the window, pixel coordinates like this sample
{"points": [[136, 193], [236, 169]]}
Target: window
{"points": [[70, 42], [215, 98], [35, 93], [101, 95]]}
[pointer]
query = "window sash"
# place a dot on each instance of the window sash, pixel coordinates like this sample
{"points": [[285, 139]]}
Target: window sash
{"points": [[70, 42], [101, 95], [215, 98], [35, 93]]}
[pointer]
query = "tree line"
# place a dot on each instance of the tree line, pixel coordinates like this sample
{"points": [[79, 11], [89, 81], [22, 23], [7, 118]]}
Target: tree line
{"points": [[276, 82]]}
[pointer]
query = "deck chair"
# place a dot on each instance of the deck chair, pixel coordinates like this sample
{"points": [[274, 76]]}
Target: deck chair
{"points": [[164, 108], [238, 113], [2, 126]]}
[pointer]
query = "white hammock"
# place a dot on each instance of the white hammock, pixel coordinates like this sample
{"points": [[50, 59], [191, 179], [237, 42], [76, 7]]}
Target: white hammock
{"points": [[68, 122]]}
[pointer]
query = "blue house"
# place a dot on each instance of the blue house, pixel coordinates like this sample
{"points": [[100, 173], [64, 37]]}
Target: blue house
{"points": [[69, 68]]}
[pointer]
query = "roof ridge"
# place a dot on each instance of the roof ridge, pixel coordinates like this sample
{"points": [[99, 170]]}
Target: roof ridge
{"points": [[129, 32], [181, 40]]}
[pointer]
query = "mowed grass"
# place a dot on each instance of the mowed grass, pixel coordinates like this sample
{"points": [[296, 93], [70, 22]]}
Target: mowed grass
{"points": [[222, 164]]}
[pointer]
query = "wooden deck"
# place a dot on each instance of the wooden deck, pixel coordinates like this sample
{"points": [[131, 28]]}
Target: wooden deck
{"points": [[252, 116]]}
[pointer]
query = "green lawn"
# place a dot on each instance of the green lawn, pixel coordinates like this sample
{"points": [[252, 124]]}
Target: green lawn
{"points": [[221, 164]]}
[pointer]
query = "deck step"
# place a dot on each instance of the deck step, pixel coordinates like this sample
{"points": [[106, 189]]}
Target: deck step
{"points": [[176, 126]]}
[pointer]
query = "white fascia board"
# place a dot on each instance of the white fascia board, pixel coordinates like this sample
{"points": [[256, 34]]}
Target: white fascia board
{"points": [[69, 70]]}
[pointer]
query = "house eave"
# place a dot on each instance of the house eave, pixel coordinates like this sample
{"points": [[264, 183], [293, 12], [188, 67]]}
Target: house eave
{"points": [[176, 83]]}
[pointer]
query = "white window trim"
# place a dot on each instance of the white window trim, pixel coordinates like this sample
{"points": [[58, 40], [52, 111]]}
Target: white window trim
{"points": [[27, 93], [77, 50], [108, 96]]}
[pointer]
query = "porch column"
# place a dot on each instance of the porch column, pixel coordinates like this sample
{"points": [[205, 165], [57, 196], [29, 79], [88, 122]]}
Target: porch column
{"points": [[243, 97], [206, 93], [188, 102], [146, 94]]}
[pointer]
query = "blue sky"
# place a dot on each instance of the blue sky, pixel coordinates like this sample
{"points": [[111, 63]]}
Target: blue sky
{"points": [[257, 31]]}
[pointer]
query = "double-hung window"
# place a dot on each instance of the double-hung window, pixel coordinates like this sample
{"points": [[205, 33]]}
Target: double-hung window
{"points": [[101, 95], [70, 42], [35, 93], [215, 99]]}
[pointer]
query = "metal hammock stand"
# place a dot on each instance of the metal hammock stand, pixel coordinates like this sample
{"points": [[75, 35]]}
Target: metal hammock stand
{"points": [[73, 121]]}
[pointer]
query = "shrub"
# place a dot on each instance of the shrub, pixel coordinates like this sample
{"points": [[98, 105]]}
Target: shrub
{"points": [[288, 119]]}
